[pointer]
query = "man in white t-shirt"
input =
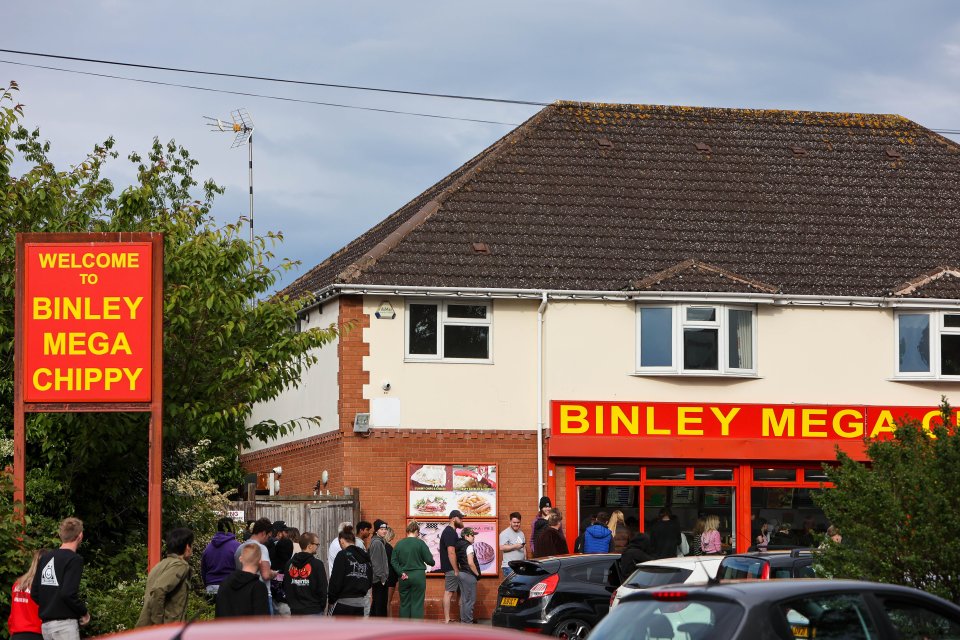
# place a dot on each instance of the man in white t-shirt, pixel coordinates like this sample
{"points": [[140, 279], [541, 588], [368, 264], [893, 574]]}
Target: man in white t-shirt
{"points": [[258, 536], [513, 544], [335, 547]]}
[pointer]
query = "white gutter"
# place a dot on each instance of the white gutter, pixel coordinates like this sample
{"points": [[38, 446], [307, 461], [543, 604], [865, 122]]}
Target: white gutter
{"points": [[541, 489], [334, 290]]}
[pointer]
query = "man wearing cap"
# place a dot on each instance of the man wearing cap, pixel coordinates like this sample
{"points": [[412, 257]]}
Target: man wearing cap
{"points": [[448, 560], [381, 570]]}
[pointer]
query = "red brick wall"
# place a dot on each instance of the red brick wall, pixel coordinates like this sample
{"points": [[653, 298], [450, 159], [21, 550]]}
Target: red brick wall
{"points": [[350, 350], [303, 461]]}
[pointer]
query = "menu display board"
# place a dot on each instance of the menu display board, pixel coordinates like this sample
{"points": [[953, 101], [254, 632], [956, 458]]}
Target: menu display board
{"points": [[620, 496], [434, 490], [485, 544]]}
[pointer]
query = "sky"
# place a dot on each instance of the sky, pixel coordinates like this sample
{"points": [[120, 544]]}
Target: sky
{"points": [[323, 175]]}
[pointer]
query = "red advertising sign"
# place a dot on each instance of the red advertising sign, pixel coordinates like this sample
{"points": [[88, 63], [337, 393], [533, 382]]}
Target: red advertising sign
{"points": [[671, 429], [87, 313]]}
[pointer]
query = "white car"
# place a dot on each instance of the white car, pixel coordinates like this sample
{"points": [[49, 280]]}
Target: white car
{"points": [[681, 570]]}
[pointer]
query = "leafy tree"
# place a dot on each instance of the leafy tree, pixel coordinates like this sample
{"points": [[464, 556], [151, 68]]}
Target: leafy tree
{"points": [[228, 344], [900, 513]]}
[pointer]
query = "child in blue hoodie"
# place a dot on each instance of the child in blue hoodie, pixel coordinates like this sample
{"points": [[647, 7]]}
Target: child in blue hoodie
{"points": [[598, 538]]}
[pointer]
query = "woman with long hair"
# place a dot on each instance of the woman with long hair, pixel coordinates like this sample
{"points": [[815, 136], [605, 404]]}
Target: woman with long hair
{"points": [[695, 547], [24, 620], [710, 538]]}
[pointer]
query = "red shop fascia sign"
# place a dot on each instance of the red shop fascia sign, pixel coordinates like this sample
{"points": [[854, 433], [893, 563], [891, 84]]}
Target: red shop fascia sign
{"points": [[712, 431]]}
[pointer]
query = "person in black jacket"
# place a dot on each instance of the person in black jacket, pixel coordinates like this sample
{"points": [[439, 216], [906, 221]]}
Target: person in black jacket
{"points": [[243, 593], [665, 534], [56, 585], [638, 550], [305, 582], [350, 578]]}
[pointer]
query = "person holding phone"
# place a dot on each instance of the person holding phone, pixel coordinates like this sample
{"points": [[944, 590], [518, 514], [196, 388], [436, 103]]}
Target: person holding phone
{"points": [[513, 544]]}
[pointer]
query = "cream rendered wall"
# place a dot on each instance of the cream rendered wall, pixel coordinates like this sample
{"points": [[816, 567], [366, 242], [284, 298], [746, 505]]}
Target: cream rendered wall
{"points": [[808, 355], [317, 394], [441, 395]]}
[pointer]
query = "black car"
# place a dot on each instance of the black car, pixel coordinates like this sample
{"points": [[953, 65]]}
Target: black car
{"points": [[767, 565], [781, 609], [562, 596]]}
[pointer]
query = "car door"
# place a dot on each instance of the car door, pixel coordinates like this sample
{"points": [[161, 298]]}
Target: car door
{"points": [[596, 580], [915, 617]]}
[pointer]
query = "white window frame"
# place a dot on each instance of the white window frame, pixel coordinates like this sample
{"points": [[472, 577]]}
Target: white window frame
{"points": [[443, 320], [679, 323], [938, 328]]}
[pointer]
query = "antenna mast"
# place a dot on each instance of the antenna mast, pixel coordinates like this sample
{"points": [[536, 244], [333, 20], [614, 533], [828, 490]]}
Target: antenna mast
{"points": [[243, 126]]}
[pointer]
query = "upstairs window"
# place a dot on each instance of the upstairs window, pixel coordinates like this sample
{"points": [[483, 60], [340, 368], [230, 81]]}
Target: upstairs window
{"points": [[696, 339], [452, 331], [928, 344]]}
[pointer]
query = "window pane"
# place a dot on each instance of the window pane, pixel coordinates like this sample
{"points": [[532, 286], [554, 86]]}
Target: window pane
{"points": [[814, 475], [951, 320], [830, 616], [666, 473], [740, 339], [471, 311], [766, 475], [423, 329], [950, 355], [701, 314], [466, 342], [915, 620], [707, 473], [914, 342], [598, 472], [656, 337], [700, 351]]}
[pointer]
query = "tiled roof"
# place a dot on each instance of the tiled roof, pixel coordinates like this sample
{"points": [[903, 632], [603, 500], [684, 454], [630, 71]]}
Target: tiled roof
{"points": [[605, 197]]}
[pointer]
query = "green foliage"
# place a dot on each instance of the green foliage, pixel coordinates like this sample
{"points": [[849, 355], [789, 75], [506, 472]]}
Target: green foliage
{"points": [[228, 344], [899, 514]]}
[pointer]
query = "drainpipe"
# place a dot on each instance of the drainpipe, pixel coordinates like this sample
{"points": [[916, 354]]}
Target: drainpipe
{"points": [[540, 310]]}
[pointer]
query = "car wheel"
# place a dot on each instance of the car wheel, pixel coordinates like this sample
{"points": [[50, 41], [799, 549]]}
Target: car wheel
{"points": [[572, 629]]}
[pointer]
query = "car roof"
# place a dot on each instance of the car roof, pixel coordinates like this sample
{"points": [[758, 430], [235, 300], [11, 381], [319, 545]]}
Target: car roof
{"points": [[775, 557], [681, 561], [308, 628], [578, 558], [753, 591]]}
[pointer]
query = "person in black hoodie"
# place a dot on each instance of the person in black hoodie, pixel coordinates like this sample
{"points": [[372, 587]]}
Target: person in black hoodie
{"points": [[56, 585], [243, 593], [350, 578], [305, 582], [638, 550]]}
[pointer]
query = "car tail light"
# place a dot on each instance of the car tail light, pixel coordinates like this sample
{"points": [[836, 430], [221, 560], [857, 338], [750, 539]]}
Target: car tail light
{"points": [[545, 587], [765, 572], [672, 596]]}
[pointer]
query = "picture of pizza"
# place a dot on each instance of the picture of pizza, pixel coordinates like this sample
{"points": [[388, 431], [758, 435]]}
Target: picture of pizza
{"points": [[474, 504]]}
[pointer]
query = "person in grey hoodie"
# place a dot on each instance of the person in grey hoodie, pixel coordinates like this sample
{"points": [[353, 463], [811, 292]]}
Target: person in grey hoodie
{"points": [[381, 570], [598, 538], [217, 561]]}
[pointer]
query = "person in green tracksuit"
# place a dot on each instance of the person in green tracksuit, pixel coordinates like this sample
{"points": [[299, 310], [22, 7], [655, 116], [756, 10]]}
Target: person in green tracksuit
{"points": [[411, 558]]}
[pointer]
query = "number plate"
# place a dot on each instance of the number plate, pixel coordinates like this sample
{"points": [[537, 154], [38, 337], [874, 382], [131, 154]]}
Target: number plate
{"points": [[508, 602], [800, 631]]}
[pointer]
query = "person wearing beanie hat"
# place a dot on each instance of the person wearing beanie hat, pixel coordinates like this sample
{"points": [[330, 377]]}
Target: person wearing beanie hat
{"points": [[540, 522], [381, 570]]}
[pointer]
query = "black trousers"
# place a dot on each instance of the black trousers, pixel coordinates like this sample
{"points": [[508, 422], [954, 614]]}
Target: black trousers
{"points": [[340, 609], [378, 603]]}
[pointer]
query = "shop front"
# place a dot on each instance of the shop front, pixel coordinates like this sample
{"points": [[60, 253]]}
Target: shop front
{"points": [[746, 464]]}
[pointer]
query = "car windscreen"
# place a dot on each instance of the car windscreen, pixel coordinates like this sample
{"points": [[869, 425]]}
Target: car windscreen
{"points": [[652, 576], [741, 568], [641, 619]]}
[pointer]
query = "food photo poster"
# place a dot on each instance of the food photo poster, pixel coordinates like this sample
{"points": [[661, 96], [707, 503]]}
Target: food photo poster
{"points": [[485, 544], [434, 490]]}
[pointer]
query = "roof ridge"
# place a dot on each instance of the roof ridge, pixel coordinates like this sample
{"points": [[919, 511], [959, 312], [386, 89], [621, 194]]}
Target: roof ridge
{"points": [[692, 264], [433, 205], [910, 286], [738, 111]]}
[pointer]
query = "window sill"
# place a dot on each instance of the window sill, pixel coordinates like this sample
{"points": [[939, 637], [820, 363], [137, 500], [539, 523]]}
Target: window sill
{"points": [[951, 380], [444, 361], [687, 374]]}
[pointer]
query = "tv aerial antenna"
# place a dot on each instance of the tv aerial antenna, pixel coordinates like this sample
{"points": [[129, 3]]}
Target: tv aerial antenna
{"points": [[242, 126]]}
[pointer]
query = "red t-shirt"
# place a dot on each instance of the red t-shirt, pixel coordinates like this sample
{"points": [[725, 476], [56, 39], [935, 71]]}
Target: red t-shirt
{"points": [[24, 616]]}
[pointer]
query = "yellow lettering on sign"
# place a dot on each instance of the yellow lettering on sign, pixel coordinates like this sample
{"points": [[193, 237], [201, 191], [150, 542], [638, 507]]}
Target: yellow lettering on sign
{"points": [[598, 416], [849, 429], [683, 420], [652, 425], [573, 413], [883, 424], [808, 421], [725, 420], [107, 308], [89, 260], [784, 424], [930, 415], [618, 417], [85, 378]]}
